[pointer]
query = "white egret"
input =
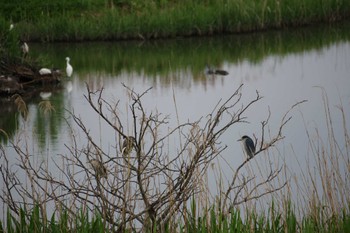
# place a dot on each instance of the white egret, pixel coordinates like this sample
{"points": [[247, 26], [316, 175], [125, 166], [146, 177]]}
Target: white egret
{"points": [[11, 26], [69, 68], [44, 71], [25, 49]]}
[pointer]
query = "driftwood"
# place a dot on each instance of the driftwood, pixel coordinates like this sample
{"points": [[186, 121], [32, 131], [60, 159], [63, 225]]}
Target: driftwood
{"points": [[18, 76]]}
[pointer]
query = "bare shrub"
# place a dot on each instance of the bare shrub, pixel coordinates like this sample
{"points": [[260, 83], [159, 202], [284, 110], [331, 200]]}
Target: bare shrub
{"points": [[138, 183]]}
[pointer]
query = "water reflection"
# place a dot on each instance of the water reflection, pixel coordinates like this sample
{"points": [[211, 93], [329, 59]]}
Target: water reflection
{"points": [[169, 57], [11, 116], [283, 66]]}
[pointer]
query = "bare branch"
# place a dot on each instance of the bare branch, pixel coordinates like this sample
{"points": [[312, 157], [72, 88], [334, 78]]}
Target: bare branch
{"points": [[142, 179]]}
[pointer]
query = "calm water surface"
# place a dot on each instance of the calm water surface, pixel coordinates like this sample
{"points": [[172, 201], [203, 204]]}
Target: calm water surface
{"points": [[284, 67]]}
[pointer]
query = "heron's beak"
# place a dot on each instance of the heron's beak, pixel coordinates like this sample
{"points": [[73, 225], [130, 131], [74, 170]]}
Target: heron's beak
{"points": [[239, 140]]}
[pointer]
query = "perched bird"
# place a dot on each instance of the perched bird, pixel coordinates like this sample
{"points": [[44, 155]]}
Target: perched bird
{"points": [[99, 168], [69, 68], [128, 144], [249, 146], [11, 26], [45, 71], [25, 49], [211, 71]]}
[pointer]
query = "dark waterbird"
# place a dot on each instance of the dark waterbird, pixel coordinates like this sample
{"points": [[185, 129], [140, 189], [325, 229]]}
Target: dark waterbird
{"points": [[249, 146], [213, 71]]}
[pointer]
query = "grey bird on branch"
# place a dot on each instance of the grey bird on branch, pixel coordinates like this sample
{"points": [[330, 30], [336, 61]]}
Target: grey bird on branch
{"points": [[249, 146], [128, 145], [99, 168]]}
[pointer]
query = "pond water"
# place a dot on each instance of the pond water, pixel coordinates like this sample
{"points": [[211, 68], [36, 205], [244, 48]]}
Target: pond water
{"points": [[283, 66]]}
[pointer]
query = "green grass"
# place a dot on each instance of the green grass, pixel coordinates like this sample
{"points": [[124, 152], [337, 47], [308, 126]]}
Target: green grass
{"points": [[136, 19], [35, 222], [210, 222]]}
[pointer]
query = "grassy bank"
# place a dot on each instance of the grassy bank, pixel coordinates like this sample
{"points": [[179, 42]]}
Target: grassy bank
{"points": [[136, 19], [166, 56]]}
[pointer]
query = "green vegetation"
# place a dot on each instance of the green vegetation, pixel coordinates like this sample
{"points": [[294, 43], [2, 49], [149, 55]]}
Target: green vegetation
{"points": [[33, 222], [82, 20], [212, 222]]}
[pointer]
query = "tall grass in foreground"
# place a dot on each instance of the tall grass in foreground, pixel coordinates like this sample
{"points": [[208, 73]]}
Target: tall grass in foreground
{"points": [[324, 186], [212, 222], [35, 223], [134, 19]]}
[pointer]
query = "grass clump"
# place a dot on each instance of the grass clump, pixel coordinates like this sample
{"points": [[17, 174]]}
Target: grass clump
{"points": [[211, 222], [35, 221]]}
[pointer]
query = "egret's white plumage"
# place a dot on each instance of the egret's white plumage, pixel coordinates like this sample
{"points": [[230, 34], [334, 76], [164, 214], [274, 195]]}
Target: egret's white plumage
{"points": [[44, 71], [69, 68], [11, 26], [25, 48]]}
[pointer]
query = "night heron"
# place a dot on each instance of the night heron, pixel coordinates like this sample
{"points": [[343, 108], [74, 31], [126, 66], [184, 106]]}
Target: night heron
{"points": [[212, 71], [99, 168], [69, 68], [128, 144], [249, 146]]}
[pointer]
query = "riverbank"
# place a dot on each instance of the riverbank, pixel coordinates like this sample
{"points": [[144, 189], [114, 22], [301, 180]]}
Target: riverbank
{"points": [[135, 19]]}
